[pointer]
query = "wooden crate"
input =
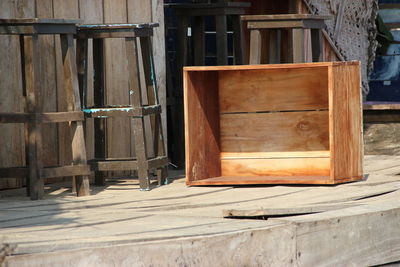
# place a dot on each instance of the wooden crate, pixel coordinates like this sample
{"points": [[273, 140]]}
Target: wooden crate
{"points": [[273, 124]]}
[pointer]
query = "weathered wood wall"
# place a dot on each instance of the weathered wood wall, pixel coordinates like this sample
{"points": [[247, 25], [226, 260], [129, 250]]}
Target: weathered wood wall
{"points": [[57, 140]]}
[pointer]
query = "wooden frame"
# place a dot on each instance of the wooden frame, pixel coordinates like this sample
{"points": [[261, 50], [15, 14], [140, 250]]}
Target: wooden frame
{"points": [[33, 117], [136, 36], [273, 124]]}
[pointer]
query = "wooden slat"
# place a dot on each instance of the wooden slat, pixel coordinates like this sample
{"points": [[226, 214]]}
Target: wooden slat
{"points": [[16, 117], [118, 135], [248, 180], [97, 35], [275, 167], [12, 152], [201, 125], [299, 24], [44, 10], [275, 132], [345, 122], [285, 17], [275, 155], [74, 104], [13, 172], [381, 106], [380, 116], [273, 90], [114, 165], [73, 170], [52, 117], [65, 10]]}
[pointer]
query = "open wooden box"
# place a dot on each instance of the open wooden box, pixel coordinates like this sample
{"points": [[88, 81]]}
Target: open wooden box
{"points": [[273, 124]]}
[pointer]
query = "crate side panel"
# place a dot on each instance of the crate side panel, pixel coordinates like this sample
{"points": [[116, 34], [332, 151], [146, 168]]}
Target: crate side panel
{"points": [[276, 167], [275, 132], [201, 125], [346, 123], [274, 89]]}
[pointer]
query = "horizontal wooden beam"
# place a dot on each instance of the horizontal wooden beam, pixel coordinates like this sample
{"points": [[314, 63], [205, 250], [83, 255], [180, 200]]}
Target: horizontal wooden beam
{"points": [[126, 164], [124, 33], [393, 25], [389, 6], [72, 170], [302, 24], [47, 117], [14, 172]]}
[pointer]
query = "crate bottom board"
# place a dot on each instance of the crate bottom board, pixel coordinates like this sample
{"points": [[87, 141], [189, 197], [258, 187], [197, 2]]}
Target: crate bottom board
{"points": [[260, 180]]}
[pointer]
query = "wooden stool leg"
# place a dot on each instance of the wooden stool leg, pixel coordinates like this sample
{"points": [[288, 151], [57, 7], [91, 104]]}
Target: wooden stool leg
{"points": [[255, 47], [199, 41], [274, 46], [152, 96], [298, 45], [74, 104], [238, 45], [317, 43], [34, 129], [98, 97], [137, 122]]}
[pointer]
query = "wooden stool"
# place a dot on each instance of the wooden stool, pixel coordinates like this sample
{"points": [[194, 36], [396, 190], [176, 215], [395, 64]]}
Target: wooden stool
{"points": [[33, 117], [136, 110], [299, 25], [193, 15]]}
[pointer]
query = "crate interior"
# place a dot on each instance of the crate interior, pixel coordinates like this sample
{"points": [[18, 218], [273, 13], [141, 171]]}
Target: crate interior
{"points": [[259, 125]]}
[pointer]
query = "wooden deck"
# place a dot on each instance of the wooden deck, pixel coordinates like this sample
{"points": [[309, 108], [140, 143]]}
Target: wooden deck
{"points": [[354, 224]]}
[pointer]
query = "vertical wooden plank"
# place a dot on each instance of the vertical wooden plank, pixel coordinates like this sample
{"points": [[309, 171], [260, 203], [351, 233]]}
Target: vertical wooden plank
{"points": [[255, 47], [346, 122], [91, 12], [157, 15], [12, 152], [100, 147], [47, 72], [116, 80], [74, 104], [222, 39], [141, 11], [66, 10], [33, 103], [298, 45]]}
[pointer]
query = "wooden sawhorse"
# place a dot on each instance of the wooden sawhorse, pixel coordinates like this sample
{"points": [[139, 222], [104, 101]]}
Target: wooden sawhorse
{"points": [[298, 25], [132, 33], [33, 117]]}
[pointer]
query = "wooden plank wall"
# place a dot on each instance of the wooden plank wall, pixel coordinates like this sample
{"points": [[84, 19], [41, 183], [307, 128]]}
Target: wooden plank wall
{"points": [[56, 147]]}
